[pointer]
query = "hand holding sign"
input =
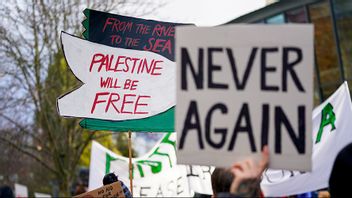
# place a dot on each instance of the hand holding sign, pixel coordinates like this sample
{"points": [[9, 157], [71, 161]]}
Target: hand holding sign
{"points": [[247, 174], [119, 84]]}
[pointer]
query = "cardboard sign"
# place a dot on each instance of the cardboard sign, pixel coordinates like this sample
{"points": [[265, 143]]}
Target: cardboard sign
{"points": [[240, 87], [132, 33], [111, 190], [119, 84]]}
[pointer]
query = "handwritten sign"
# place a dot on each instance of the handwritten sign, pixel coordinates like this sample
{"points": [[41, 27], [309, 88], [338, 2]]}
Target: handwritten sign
{"points": [[130, 32], [111, 190], [241, 87], [119, 84]]}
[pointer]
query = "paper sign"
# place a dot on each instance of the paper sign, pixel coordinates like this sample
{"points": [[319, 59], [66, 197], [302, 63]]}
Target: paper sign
{"points": [[119, 84], [240, 87], [111, 190], [41, 195], [131, 33], [21, 191]]}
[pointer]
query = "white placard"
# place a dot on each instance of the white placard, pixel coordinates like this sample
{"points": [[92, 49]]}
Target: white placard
{"points": [[21, 190], [240, 87], [118, 84], [331, 133]]}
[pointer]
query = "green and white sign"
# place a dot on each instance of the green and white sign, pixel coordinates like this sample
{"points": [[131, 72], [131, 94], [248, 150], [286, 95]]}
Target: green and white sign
{"points": [[331, 132], [154, 174]]}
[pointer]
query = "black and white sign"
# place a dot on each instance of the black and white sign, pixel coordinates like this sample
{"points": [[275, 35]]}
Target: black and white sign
{"points": [[240, 87]]}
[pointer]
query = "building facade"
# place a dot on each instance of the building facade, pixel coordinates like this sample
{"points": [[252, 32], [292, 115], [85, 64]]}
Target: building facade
{"points": [[332, 21]]}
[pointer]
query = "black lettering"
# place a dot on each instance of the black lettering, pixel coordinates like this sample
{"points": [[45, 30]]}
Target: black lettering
{"points": [[178, 188], [141, 194], [188, 125], [287, 67], [241, 85], [159, 192], [265, 125], [186, 60], [280, 118], [191, 174], [244, 113], [265, 69], [222, 131], [212, 68]]}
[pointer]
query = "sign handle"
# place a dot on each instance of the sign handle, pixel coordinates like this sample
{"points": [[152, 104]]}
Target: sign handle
{"points": [[130, 161]]}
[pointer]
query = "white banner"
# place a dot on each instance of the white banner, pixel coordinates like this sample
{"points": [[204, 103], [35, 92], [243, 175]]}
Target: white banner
{"points": [[154, 174], [331, 132], [118, 84], [240, 87], [21, 191], [41, 195]]}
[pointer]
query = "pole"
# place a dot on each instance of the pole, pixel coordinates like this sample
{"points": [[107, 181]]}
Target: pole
{"points": [[130, 161]]}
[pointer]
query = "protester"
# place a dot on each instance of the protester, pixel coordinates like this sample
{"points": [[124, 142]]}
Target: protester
{"points": [[6, 192], [242, 179], [111, 178], [339, 184]]}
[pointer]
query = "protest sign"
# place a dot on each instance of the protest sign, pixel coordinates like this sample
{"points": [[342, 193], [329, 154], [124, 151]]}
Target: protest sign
{"points": [[331, 133], [111, 190], [119, 84], [42, 195], [154, 174], [21, 191], [132, 33], [240, 87]]}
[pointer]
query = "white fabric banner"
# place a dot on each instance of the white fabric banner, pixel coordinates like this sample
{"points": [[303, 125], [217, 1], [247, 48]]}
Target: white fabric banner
{"points": [[118, 84], [331, 132], [154, 174]]}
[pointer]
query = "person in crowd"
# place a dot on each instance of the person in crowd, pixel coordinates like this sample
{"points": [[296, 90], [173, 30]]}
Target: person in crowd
{"points": [[111, 178], [339, 184], [240, 180], [6, 192]]}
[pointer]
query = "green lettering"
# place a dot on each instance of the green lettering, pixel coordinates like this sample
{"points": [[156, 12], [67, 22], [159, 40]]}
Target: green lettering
{"points": [[327, 118]]}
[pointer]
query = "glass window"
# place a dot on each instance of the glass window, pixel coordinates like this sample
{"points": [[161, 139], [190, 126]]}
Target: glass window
{"points": [[278, 19], [325, 47], [343, 16], [297, 16]]}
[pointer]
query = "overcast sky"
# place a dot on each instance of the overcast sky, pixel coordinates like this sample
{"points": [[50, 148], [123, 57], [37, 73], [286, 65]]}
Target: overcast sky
{"points": [[205, 12]]}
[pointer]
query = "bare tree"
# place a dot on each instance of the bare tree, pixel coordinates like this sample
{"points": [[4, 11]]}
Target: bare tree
{"points": [[33, 74]]}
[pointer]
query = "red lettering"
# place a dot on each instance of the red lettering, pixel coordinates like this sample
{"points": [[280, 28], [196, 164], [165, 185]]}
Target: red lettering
{"points": [[140, 104], [96, 59], [156, 68], [158, 45], [127, 84], [111, 101], [96, 101], [108, 22], [161, 30], [124, 101], [134, 85], [118, 62]]}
